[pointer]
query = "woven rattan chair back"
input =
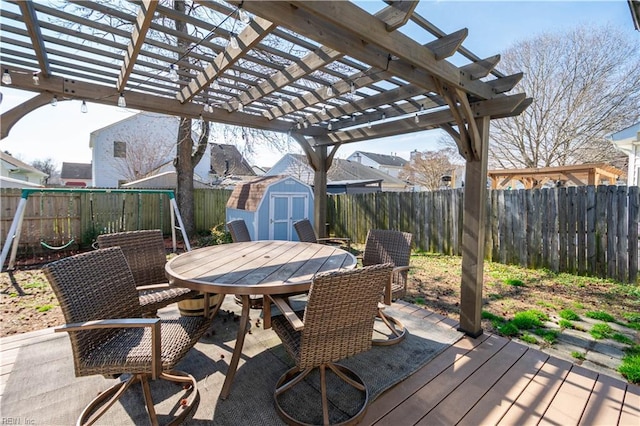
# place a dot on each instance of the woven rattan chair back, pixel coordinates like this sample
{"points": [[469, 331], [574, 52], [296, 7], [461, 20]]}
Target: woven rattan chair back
{"points": [[305, 231], [238, 230], [389, 246], [340, 313], [93, 286], [144, 251]]}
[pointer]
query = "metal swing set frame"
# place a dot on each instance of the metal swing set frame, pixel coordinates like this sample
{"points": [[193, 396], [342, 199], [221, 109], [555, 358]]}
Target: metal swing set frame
{"points": [[13, 236]]}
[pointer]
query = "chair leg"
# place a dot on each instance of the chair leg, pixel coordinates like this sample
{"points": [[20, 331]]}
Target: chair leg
{"points": [[398, 330], [99, 405], [294, 376]]}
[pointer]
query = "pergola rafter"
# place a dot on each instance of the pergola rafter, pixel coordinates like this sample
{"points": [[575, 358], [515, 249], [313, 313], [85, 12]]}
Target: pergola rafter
{"points": [[327, 72]]}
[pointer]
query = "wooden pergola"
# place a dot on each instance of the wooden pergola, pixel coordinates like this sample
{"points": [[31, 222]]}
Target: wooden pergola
{"points": [[328, 73], [578, 174]]}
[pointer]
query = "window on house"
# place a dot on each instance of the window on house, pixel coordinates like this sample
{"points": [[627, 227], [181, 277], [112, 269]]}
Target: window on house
{"points": [[119, 149]]}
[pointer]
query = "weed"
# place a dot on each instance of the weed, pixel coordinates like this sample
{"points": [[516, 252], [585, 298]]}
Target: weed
{"points": [[549, 336], [546, 304], [44, 308], [578, 305], [601, 331], [419, 301], [13, 294], [495, 296], [563, 323], [514, 282], [528, 338], [632, 317], [508, 329], [568, 314], [601, 316], [634, 325], [529, 319], [621, 338], [35, 284], [578, 355]]}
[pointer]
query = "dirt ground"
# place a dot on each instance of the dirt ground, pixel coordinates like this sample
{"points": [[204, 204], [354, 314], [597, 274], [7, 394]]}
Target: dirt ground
{"points": [[27, 302]]}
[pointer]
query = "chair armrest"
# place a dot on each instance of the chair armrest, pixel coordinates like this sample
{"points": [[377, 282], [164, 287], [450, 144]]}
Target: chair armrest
{"points": [[153, 323], [163, 286], [387, 290], [336, 239], [398, 269], [288, 312]]}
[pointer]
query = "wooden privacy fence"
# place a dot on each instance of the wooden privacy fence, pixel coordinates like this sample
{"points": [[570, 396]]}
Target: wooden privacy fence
{"points": [[76, 219], [584, 230]]}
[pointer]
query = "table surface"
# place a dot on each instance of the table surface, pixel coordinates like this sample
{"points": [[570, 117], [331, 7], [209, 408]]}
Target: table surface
{"points": [[256, 267]]}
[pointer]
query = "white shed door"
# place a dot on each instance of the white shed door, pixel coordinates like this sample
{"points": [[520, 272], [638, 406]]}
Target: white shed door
{"points": [[284, 210]]}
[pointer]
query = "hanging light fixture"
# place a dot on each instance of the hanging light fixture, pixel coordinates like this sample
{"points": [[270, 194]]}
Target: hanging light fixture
{"points": [[240, 107], [173, 73], [324, 110], [210, 108], [6, 77], [36, 79], [416, 118], [54, 101], [305, 124], [352, 88], [329, 126], [83, 108], [233, 41], [122, 103]]}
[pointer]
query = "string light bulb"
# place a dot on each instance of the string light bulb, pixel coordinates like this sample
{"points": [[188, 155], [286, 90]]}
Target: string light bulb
{"points": [[240, 107], [205, 107], [233, 41], [243, 16], [305, 124], [122, 103], [352, 88], [6, 77], [210, 108], [280, 102], [369, 124], [36, 79], [83, 108], [324, 110], [54, 101], [173, 73], [329, 91], [416, 118], [329, 126]]}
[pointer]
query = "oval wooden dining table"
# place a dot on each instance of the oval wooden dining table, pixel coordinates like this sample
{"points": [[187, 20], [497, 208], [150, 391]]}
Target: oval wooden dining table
{"points": [[254, 268]]}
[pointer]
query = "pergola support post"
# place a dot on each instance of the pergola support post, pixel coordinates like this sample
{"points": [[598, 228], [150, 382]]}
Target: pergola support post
{"points": [[475, 194]]}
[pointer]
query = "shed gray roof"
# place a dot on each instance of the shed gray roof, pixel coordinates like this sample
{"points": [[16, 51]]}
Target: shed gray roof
{"points": [[76, 171], [384, 159]]}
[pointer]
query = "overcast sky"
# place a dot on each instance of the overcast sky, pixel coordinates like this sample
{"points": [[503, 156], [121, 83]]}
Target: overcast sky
{"points": [[62, 132]]}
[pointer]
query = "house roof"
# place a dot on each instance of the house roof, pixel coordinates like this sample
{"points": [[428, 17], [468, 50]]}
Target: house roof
{"points": [[75, 171], [384, 159], [247, 196], [161, 180], [634, 5], [227, 160], [19, 166], [7, 182]]}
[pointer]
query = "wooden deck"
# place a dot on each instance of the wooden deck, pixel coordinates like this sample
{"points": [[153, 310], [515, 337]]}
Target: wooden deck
{"points": [[485, 381]]}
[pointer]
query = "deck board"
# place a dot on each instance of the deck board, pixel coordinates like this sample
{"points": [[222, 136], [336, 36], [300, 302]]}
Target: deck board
{"points": [[574, 392], [630, 412], [498, 400], [605, 402], [424, 400], [532, 403]]}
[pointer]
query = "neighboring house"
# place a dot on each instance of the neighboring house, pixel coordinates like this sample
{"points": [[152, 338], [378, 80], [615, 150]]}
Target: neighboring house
{"points": [[76, 174], [628, 141], [13, 168], [7, 182], [121, 148], [226, 160], [390, 164], [342, 172]]}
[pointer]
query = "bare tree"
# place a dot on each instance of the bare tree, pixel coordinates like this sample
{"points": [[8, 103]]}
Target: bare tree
{"points": [[585, 85], [47, 166], [428, 168]]}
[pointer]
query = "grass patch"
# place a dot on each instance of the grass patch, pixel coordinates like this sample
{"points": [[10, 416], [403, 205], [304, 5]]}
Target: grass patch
{"points": [[508, 329], [578, 355], [563, 323], [632, 317], [578, 305], [35, 284], [621, 338], [530, 319], [600, 316], [489, 316], [419, 301], [44, 308], [568, 314], [633, 325], [630, 367], [514, 282], [495, 296], [529, 338], [547, 305], [601, 331]]}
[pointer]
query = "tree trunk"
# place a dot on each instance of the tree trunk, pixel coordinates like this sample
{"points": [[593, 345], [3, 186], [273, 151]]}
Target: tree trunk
{"points": [[184, 172]]}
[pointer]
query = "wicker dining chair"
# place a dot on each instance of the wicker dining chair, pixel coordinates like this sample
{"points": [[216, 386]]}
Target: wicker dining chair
{"points": [[389, 246], [108, 335], [145, 254], [307, 234], [337, 323], [238, 230]]}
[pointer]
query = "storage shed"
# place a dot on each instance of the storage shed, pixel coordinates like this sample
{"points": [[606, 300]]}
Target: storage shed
{"points": [[270, 205]]}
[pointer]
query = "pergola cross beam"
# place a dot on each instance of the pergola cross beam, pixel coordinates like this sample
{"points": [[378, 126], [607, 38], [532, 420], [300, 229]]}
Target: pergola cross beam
{"points": [[33, 27], [143, 22]]}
